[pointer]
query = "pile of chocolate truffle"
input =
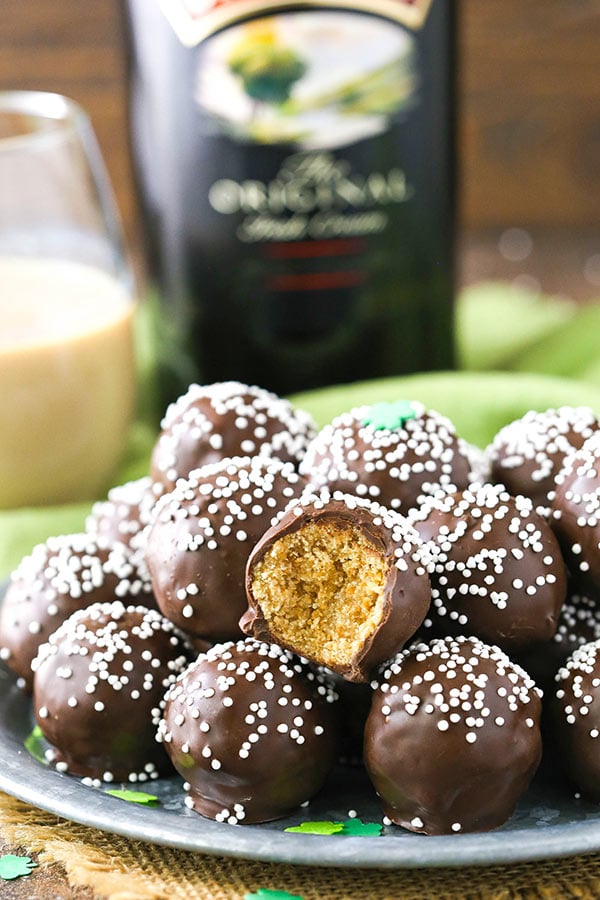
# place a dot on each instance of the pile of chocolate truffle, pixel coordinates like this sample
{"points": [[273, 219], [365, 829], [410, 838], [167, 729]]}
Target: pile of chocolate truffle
{"points": [[272, 599]]}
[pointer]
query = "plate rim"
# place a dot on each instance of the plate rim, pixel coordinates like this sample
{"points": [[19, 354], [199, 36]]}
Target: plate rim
{"points": [[23, 777], [412, 851]]}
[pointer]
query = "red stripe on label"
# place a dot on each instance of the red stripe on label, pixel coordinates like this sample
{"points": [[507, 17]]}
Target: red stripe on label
{"points": [[309, 249], [316, 281]]}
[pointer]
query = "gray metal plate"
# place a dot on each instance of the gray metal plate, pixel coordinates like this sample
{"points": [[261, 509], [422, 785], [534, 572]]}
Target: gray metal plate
{"points": [[548, 822]]}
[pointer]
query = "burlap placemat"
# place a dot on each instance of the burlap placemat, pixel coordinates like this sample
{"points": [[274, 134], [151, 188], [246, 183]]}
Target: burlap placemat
{"points": [[115, 868]]}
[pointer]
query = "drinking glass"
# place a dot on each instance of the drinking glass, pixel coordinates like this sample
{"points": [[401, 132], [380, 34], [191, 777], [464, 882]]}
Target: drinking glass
{"points": [[67, 302]]}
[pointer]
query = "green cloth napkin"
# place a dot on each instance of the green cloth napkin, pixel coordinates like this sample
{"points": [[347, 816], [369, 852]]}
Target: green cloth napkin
{"points": [[516, 351]]}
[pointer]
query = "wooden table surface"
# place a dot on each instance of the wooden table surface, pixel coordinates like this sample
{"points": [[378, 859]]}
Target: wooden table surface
{"points": [[529, 150], [529, 136], [529, 89], [558, 262]]}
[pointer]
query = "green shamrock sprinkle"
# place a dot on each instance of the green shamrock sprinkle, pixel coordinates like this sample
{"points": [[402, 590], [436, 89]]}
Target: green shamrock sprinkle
{"points": [[15, 866], [356, 828], [34, 746], [268, 894], [135, 797], [351, 827], [387, 416], [317, 828]]}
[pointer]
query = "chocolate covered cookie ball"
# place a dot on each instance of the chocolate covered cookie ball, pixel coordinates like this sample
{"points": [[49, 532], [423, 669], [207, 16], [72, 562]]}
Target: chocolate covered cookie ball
{"points": [[252, 730], [576, 515], [125, 513], [211, 422], [497, 569], [578, 624], [453, 738], [99, 688], [394, 453], [202, 534], [60, 576], [527, 455], [338, 580], [576, 718]]}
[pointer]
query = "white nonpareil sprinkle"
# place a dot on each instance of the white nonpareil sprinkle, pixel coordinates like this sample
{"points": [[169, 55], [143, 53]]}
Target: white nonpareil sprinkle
{"points": [[217, 688], [460, 683], [492, 565], [91, 651], [234, 419]]}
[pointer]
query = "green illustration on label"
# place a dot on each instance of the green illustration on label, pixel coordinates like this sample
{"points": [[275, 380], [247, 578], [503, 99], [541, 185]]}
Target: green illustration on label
{"points": [[318, 79], [267, 71]]}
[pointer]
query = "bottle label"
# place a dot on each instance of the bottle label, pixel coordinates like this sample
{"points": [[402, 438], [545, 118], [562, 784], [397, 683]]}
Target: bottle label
{"points": [[314, 216], [195, 20], [309, 79], [288, 92], [313, 196]]}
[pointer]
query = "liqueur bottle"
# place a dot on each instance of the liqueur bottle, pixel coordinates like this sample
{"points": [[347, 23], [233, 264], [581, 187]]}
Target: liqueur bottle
{"points": [[295, 169]]}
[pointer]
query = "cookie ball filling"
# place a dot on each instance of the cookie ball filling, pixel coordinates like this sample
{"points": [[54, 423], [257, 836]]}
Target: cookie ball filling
{"points": [[339, 580], [323, 588]]}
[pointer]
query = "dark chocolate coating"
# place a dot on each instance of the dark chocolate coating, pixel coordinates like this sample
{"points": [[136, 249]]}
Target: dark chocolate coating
{"points": [[98, 691], [202, 534], [354, 707], [576, 515], [393, 466], [212, 422], [63, 575], [576, 719], [578, 624], [252, 730], [453, 738], [498, 570], [125, 513], [527, 455], [406, 591]]}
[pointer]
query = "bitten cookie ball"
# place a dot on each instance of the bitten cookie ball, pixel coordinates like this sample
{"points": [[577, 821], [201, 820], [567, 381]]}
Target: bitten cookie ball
{"points": [[63, 575], [338, 580], [576, 515], [98, 691], [394, 453], [212, 422], [576, 718], [527, 454], [453, 737], [252, 731], [497, 569], [202, 534]]}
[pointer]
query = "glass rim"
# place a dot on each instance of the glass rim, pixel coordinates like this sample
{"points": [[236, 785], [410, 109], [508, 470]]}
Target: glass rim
{"points": [[44, 106]]}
